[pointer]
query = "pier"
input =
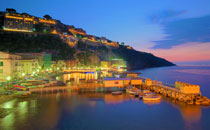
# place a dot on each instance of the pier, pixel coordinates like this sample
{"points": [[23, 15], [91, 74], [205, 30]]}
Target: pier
{"points": [[180, 91], [189, 94]]}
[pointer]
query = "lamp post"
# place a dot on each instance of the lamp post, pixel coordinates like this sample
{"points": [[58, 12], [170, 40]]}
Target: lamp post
{"points": [[8, 80]]}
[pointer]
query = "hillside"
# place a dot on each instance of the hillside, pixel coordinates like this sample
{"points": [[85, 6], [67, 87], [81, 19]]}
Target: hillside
{"points": [[135, 59], [27, 42], [87, 55]]}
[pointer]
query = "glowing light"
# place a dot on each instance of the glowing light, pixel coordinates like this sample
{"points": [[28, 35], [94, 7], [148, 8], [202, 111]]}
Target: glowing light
{"points": [[13, 17], [8, 78], [47, 21], [16, 30], [23, 74], [28, 19]]}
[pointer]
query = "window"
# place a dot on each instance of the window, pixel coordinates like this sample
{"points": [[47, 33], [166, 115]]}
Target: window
{"points": [[1, 63]]}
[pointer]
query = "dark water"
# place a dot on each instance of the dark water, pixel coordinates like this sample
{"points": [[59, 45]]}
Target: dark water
{"points": [[99, 111]]}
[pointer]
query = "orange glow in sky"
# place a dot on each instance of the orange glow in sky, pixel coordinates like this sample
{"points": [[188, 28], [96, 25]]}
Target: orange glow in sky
{"points": [[185, 52]]}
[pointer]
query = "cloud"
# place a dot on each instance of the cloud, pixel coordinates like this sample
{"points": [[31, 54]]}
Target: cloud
{"points": [[165, 16], [182, 31]]}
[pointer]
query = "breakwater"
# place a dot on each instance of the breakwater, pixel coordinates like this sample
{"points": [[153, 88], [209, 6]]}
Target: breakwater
{"points": [[177, 94]]}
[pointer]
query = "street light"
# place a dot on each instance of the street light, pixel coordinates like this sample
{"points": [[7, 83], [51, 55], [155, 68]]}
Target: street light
{"points": [[23, 74], [8, 78]]}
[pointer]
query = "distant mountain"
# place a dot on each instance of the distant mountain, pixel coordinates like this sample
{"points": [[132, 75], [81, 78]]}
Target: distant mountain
{"points": [[86, 54]]}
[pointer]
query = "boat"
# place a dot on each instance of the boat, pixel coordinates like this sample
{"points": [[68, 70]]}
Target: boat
{"points": [[151, 98], [117, 93], [132, 92], [21, 93], [20, 88]]}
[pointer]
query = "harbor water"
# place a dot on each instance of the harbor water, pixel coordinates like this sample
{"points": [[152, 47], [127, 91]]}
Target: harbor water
{"points": [[104, 111]]}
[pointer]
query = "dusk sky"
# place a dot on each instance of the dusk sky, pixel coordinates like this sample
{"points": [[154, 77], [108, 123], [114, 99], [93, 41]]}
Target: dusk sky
{"points": [[178, 30]]}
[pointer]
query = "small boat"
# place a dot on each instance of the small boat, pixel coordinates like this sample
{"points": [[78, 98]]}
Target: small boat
{"points": [[21, 93], [117, 93], [132, 92], [151, 98]]}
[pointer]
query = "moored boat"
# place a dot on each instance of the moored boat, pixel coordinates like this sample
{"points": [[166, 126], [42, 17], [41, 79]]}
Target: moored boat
{"points": [[151, 98], [117, 93], [132, 92]]}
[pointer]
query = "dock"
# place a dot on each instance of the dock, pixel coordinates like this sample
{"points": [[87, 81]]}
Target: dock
{"points": [[180, 91]]}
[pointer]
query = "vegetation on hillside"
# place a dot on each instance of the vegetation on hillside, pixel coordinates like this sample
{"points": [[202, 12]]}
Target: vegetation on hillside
{"points": [[135, 59], [26, 42], [87, 55]]}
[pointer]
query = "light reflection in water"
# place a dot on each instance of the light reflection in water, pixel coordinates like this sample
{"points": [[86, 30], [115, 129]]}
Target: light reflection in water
{"points": [[116, 99], [22, 110], [54, 107], [7, 123], [152, 102], [9, 104], [191, 114]]}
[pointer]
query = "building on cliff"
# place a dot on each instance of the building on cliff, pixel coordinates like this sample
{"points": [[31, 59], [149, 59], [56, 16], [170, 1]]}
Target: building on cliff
{"points": [[13, 21]]}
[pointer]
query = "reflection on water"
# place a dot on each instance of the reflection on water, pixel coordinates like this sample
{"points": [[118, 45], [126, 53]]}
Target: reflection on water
{"points": [[194, 71], [191, 114], [152, 102], [9, 104], [7, 122], [66, 110]]}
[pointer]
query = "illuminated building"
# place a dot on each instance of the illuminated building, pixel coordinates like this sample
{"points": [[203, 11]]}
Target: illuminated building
{"points": [[107, 42], [47, 21], [91, 38], [117, 63], [18, 22], [105, 64], [44, 59], [187, 88], [29, 66], [69, 39], [76, 31], [9, 65], [148, 82], [129, 47], [59, 65], [71, 64], [24, 22], [121, 82]]}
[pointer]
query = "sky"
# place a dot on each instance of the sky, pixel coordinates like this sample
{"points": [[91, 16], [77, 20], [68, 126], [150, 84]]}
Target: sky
{"points": [[177, 30]]}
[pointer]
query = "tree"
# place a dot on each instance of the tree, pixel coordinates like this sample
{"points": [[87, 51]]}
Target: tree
{"points": [[47, 16], [122, 43]]}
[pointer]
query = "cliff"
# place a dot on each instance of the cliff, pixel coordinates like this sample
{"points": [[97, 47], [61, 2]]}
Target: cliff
{"points": [[135, 59], [86, 54]]}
